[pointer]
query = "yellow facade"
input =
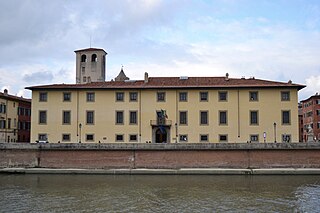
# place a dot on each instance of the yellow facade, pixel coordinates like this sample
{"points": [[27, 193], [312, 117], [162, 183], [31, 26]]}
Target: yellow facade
{"points": [[8, 119], [239, 109]]}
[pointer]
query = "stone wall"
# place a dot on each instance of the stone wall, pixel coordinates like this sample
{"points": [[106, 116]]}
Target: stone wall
{"points": [[166, 156]]}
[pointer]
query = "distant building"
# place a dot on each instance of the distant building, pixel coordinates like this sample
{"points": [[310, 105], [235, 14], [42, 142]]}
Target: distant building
{"points": [[165, 110], [15, 118], [300, 114], [311, 118]]}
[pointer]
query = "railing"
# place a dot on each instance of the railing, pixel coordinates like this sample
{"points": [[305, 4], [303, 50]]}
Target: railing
{"points": [[160, 122]]}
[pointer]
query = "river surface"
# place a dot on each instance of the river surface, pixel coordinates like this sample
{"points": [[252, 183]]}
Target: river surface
{"points": [[159, 193]]}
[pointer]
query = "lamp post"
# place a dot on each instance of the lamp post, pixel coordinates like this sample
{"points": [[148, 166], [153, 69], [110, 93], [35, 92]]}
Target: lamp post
{"points": [[275, 131], [80, 125]]}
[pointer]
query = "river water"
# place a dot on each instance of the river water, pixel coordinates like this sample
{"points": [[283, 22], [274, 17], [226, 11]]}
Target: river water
{"points": [[159, 193]]}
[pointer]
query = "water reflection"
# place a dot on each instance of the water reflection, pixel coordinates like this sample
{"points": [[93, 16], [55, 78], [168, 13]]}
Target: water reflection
{"points": [[102, 193]]}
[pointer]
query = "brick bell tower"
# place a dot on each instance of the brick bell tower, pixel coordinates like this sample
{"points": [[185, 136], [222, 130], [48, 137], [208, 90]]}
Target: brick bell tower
{"points": [[90, 65]]}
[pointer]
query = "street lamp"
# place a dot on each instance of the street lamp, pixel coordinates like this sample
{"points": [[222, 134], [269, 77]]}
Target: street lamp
{"points": [[275, 131], [80, 125]]}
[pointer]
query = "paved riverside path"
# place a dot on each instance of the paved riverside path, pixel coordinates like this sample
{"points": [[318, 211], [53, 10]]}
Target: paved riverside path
{"points": [[184, 171]]}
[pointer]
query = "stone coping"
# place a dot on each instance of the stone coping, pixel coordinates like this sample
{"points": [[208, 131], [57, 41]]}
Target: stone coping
{"points": [[170, 146], [182, 171]]}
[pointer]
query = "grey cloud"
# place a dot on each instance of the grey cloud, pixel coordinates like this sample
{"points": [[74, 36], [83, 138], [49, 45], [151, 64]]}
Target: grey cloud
{"points": [[38, 77]]}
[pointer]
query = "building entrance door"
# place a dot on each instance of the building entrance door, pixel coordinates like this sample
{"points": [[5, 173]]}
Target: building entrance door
{"points": [[161, 135]]}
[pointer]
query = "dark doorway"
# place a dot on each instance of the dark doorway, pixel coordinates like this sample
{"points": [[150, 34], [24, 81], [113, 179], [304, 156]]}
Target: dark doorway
{"points": [[161, 135]]}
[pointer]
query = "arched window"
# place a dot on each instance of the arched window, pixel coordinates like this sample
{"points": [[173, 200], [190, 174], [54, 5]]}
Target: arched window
{"points": [[83, 58], [94, 58]]}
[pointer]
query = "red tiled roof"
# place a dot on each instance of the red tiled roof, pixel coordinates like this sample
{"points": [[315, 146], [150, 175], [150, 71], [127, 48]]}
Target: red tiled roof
{"points": [[90, 49], [173, 83], [15, 98]]}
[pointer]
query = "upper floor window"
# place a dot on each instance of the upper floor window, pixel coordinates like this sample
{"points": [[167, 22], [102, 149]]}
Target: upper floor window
{"points": [[66, 96], [119, 96], [94, 58], [43, 96], [133, 117], [90, 96], [66, 117], [204, 117], [119, 117], [133, 96], [254, 119], [286, 117], [203, 96], [3, 108], [183, 96], [183, 117], [83, 58], [253, 96], [223, 117], [90, 117], [42, 117], [285, 96], [161, 96], [223, 96]]}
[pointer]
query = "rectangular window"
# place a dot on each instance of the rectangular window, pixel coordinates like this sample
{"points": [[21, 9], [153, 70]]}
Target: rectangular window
{"points": [[318, 125], [133, 117], [253, 96], [223, 120], [42, 137], [204, 117], [254, 138], [42, 117], [285, 96], [183, 96], [203, 96], [133, 137], [133, 96], [183, 117], [43, 96], [223, 96], [161, 96], [183, 138], [3, 108], [67, 96], [2, 124], [90, 117], [254, 118], [89, 137], [203, 138], [90, 96], [119, 138], [286, 138], [119, 96], [286, 117], [318, 111], [65, 137], [119, 117], [223, 138], [66, 117], [9, 123]]}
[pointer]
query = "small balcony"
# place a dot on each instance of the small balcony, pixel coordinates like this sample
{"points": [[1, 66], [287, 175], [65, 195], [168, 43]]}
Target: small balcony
{"points": [[161, 122]]}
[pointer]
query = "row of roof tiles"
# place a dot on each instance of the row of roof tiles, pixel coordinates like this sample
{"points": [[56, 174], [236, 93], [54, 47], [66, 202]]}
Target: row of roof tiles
{"points": [[175, 82]]}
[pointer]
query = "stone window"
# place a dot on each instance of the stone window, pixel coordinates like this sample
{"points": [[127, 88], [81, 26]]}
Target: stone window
{"points": [[254, 118], [285, 96], [161, 96], [223, 138], [133, 96], [90, 97], [286, 138], [42, 117], [83, 58], [223, 119], [94, 58], [119, 117], [204, 117], [90, 117], [66, 117], [254, 138], [286, 117], [183, 117], [67, 96], [119, 96], [66, 137], [203, 96], [89, 137], [119, 137], [133, 138], [183, 138], [223, 96], [183, 96], [133, 117], [253, 96], [43, 96], [204, 138]]}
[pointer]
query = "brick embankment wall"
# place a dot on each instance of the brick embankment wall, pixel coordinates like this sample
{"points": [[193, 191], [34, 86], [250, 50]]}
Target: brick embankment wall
{"points": [[156, 156]]}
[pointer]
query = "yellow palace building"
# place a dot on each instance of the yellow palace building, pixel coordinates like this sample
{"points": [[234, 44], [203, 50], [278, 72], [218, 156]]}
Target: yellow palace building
{"points": [[162, 109]]}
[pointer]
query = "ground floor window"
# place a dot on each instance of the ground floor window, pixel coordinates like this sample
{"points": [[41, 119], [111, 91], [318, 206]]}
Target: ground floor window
{"points": [[183, 138], [204, 138], [119, 138], [223, 138], [286, 138], [66, 137], [89, 137], [42, 137], [133, 137], [254, 138]]}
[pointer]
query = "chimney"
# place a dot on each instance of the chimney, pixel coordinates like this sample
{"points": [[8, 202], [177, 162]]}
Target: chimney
{"points": [[5, 92], [227, 77], [146, 77], [289, 82]]}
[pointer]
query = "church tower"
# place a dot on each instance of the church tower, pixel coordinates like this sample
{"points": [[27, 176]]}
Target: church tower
{"points": [[90, 65]]}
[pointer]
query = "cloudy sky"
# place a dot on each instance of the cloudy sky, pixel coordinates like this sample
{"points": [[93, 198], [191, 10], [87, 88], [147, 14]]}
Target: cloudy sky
{"points": [[269, 39]]}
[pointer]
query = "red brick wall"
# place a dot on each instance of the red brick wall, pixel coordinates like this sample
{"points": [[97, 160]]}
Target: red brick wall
{"points": [[170, 159]]}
